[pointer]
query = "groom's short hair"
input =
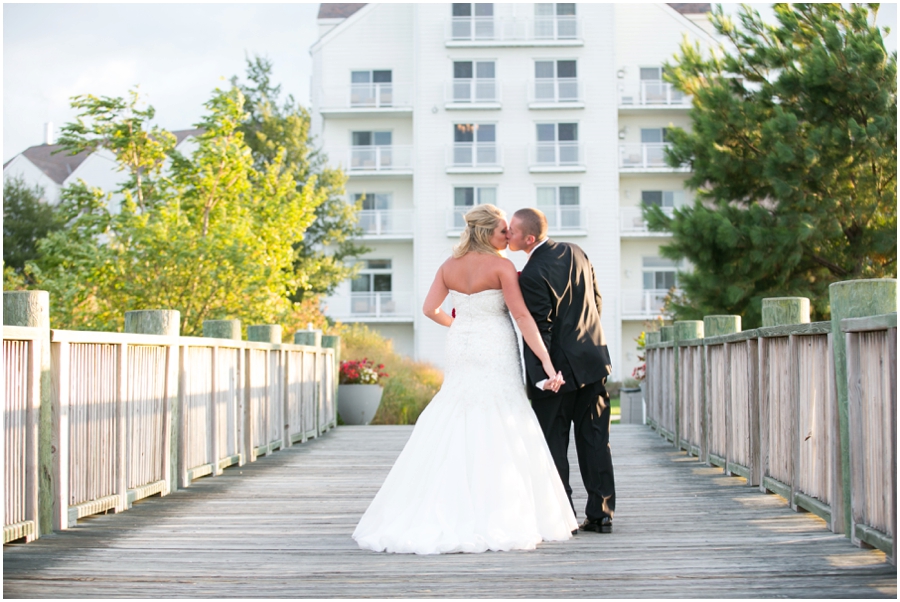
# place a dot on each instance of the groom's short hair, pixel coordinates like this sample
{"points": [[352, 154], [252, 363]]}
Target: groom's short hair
{"points": [[533, 222]]}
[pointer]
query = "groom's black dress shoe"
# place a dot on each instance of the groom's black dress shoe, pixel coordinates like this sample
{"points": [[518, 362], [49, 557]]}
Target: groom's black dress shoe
{"points": [[602, 525]]}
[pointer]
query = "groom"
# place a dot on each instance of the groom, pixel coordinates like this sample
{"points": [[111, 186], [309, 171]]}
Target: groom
{"points": [[561, 293]]}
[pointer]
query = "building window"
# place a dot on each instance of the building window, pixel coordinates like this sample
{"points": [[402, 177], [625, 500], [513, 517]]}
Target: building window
{"points": [[660, 274], [663, 198], [466, 197], [555, 81], [654, 142], [557, 144], [371, 88], [654, 90], [371, 150], [475, 144], [555, 21], [375, 216], [371, 289], [561, 205], [472, 21], [474, 81]]}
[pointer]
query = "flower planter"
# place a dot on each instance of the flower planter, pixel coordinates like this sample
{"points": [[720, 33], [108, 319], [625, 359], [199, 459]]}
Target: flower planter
{"points": [[357, 404]]}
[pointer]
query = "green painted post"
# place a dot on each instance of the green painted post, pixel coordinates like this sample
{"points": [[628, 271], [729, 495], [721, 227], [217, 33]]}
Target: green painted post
{"points": [[715, 326], [308, 337], [782, 311], [32, 309], [334, 342], [683, 330], [264, 333], [165, 322], [666, 334], [853, 299], [222, 329], [651, 338]]}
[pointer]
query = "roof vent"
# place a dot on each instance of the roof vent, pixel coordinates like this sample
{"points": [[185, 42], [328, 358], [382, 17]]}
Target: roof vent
{"points": [[48, 133]]}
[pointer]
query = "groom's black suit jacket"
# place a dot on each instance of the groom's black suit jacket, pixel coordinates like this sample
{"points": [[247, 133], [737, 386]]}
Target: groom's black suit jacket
{"points": [[561, 292]]}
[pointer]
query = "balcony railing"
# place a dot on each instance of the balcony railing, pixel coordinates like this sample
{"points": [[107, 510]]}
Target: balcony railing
{"points": [[472, 91], [379, 158], [633, 220], [556, 90], [643, 156], [562, 218], [364, 97], [646, 303], [360, 306], [495, 29], [456, 218], [557, 154], [653, 93], [473, 155], [386, 222]]}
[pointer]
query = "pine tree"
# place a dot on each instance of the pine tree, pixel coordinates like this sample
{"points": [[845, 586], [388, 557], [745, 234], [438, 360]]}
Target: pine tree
{"points": [[793, 152]]}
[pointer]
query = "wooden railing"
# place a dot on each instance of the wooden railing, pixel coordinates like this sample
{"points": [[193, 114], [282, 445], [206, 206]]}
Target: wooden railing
{"points": [[763, 404], [133, 415]]}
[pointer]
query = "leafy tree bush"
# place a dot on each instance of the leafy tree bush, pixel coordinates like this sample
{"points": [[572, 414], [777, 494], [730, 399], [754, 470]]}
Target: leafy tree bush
{"points": [[27, 218]]}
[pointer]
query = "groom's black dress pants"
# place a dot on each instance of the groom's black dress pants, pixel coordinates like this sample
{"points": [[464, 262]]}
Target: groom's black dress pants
{"points": [[588, 408]]}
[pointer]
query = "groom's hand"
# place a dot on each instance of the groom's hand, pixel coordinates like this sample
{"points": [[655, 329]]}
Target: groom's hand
{"points": [[553, 384]]}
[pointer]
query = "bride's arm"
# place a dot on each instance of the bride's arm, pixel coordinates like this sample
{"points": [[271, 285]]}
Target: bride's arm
{"points": [[436, 295], [512, 294]]}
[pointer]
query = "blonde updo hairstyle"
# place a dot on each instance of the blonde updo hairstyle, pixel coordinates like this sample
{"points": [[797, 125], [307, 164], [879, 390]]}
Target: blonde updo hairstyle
{"points": [[481, 221]]}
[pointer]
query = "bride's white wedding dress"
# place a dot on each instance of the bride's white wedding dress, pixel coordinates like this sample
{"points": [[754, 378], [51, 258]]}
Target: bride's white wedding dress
{"points": [[476, 473]]}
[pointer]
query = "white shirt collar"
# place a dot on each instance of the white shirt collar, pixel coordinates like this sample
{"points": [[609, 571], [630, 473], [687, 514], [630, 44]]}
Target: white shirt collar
{"points": [[536, 246]]}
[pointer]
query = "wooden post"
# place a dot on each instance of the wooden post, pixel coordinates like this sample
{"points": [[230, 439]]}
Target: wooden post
{"points": [[166, 322], [32, 309], [796, 435], [754, 418], [764, 420], [334, 342], [222, 329], [714, 326], [121, 432], [684, 330], [264, 333], [781, 311], [308, 337], [218, 329], [853, 299], [836, 493]]}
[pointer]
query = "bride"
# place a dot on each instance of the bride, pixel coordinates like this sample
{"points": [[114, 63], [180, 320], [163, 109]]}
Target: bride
{"points": [[476, 473]]}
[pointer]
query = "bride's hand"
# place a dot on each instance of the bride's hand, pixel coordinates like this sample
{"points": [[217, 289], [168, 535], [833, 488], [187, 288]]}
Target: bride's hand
{"points": [[555, 379]]}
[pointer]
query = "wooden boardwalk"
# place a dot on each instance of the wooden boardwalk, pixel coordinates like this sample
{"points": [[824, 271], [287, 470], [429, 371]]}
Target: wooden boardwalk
{"points": [[281, 528]]}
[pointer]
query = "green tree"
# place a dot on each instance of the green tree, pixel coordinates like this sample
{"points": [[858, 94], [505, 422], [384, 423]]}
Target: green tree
{"points": [[27, 218], [210, 235], [793, 151], [277, 131]]}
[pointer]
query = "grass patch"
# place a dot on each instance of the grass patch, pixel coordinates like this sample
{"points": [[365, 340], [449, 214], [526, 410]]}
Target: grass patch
{"points": [[410, 384]]}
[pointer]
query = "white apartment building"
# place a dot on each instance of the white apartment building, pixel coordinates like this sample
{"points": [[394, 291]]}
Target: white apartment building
{"points": [[432, 108]]}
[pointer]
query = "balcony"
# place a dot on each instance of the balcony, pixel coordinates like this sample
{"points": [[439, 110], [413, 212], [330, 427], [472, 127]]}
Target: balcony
{"points": [[555, 157], [634, 226], [566, 220], [478, 93], [371, 307], [648, 157], [497, 31], [474, 157], [378, 160], [354, 100], [556, 93], [456, 220], [386, 224], [644, 304], [653, 94]]}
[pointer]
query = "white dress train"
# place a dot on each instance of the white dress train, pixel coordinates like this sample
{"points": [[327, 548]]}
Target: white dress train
{"points": [[476, 473]]}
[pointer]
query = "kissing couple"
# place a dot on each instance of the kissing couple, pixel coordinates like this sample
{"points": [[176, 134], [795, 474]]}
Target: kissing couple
{"points": [[483, 468]]}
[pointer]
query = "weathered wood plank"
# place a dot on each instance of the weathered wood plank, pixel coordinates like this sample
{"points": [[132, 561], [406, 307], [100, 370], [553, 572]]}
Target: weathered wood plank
{"points": [[682, 529]]}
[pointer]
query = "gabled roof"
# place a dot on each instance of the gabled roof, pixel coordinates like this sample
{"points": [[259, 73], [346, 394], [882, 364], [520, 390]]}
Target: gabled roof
{"points": [[60, 165], [688, 8], [335, 10]]}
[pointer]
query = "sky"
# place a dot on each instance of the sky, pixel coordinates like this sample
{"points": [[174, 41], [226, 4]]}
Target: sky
{"points": [[177, 53]]}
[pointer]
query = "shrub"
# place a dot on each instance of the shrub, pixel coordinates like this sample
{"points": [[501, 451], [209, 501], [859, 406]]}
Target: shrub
{"points": [[411, 385]]}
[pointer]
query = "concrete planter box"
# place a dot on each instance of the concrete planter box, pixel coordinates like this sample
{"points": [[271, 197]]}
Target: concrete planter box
{"points": [[357, 404]]}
